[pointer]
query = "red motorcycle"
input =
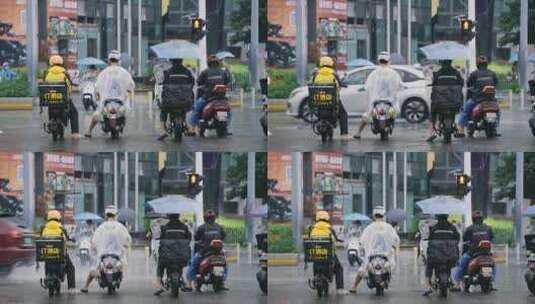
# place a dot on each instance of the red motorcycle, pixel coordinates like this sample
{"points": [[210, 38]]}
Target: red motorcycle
{"points": [[485, 115], [212, 267], [216, 113], [480, 269]]}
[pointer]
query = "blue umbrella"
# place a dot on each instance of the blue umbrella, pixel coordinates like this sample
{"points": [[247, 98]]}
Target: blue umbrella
{"points": [[356, 217], [396, 215], [224, 54], [91, 61], [359, 62], [174, 204], [442, 204], [176, 49], [514, 57], [445, 50], [126, 215], [84, 216], [530, 211]]}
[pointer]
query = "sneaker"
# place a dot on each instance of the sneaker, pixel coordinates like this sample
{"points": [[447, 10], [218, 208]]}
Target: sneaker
{"points": [[431, 138], [87, 135], [72, 291], [353, 290], [84, 290], [341, 292], [345, 137], [356, 136], [159, 292], [427, 292], [162, 136]]}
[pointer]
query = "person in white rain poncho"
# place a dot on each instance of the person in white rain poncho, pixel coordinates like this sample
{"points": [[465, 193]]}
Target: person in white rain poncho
{"points": [[384, 83], [377, 238], [114, 82], [111, 237]]}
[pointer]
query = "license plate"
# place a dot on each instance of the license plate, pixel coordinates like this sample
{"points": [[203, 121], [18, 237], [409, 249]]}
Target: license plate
{"points": [[492, 115], [222, 116], [28, 241], [219, 270], [487, 271]]}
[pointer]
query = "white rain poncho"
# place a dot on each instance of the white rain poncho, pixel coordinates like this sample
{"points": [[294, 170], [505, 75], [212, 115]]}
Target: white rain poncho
{"points": [[111, 237], [114, 82], [379, 238], [384, 83]]}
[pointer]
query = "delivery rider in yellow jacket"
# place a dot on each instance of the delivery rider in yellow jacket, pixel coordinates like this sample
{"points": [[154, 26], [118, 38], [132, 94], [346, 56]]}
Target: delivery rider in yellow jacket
{"points": [[54, 228], [322, 229], [56, 73], [326, 75]]}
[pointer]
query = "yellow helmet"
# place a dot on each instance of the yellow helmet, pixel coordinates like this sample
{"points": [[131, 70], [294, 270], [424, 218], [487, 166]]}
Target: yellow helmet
{"points": [[326, 61], [55, 60], [322, 215], [53, 215]]}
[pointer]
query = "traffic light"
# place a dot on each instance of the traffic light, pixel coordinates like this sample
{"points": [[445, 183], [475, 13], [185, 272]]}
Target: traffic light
{"points": [[194, 184], [197, 28], [467, 30], [463, 184]]}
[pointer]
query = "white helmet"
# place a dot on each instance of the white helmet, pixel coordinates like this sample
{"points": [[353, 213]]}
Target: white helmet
{"points": [[379, 210], [110, 209], [384, 56], [114, 55]]}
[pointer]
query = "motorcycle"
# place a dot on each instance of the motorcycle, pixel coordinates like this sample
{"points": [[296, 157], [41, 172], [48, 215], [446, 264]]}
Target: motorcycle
{"points": [[319, 252], [88, 96], [480, 269], [83, 251], [173, 280], [446, 125], [51, 251], [529, 275], [442, 280], [354, 251], [55, 98], [485, 115], [110, 273], [383, 118], [324, 104], [532, 93], [212, 268], [216, 113], [378, 273], [114, 117]]}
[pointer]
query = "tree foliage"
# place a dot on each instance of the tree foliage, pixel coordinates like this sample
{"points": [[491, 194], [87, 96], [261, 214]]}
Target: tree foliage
{"points": [[510, 22], [505, 175], [240, 21], [237, 175]]}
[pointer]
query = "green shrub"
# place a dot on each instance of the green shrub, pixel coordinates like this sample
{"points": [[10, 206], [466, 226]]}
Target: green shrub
{"points": [[18, 87], [503, 230], [240, 73], [283, 82], [280, 238]]}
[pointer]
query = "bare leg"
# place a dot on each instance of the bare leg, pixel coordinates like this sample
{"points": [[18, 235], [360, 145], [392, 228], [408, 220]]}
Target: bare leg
{"points": [[92, 125], [356, 283], [361, 128]]}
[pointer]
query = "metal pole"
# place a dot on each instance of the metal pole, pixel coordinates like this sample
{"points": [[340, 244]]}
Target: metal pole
{"points": [[409, 32], [472, 43], [253, 53], [28, 163], [202, 42], [119, 25], [32, 46], [301, 40], [405, 189], [297, 198], [129, 28], [136, 190], [126, 205], [199, 197], [395, 180], [399, 26], [388, 26], [251, 195], [468, 197], [115, 179], [523, 49], [384, 180], [519, 197], [139, 38]]}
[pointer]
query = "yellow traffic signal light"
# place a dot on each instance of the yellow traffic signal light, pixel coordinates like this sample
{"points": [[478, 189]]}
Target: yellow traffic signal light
{"points": [[196, 24], [193, 179], [462, 181], [467, 27], [197, 28]]}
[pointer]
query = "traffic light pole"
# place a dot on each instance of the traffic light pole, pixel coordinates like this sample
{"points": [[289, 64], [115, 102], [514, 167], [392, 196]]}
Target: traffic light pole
{"points": [[472, 43], [519, 198], [523, 48], [32, 46], [199, 197], [468, 197], [202, 42], [301, 41], [297, 198], [253, 57], [251, 195], [119, 25]]}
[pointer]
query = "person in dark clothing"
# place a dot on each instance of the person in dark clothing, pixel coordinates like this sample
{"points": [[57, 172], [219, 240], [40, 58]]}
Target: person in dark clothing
{"points": [[204, 235], [326, 75], [173, 230], [447, 75], [178, 72], [476, 81], [206, 82], [474, 234], [442, 230]]}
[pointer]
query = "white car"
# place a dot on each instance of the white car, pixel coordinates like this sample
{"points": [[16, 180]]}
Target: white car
{"points": [[414, 98]]}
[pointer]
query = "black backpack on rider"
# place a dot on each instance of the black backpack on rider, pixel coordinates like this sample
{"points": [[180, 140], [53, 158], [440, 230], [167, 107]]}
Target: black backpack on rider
{"points": [[447, 94], [177, 92], [174, 248]]}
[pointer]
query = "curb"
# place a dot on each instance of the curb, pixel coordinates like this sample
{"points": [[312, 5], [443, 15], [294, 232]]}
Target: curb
{"points": [[283, 259], [277, 106], [10, 104]]}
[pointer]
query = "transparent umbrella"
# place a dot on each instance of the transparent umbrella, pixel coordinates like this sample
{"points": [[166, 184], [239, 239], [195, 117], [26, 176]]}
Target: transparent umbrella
{"points": [[176, 49], [174, 204], [442, 204], [445, 50]]}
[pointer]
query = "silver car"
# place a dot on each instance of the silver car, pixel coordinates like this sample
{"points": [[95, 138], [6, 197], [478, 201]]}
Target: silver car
{"points": [[414, 98]]}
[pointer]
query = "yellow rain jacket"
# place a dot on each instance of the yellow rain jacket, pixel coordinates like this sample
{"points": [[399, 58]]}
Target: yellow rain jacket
{"points": [[58, 73], [322, 229], [326, 75], [54, 229]]}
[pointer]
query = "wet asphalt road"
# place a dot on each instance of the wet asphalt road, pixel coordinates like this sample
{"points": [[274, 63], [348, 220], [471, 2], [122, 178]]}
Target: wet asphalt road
{"points": [[22, 286], [23, 131]]}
